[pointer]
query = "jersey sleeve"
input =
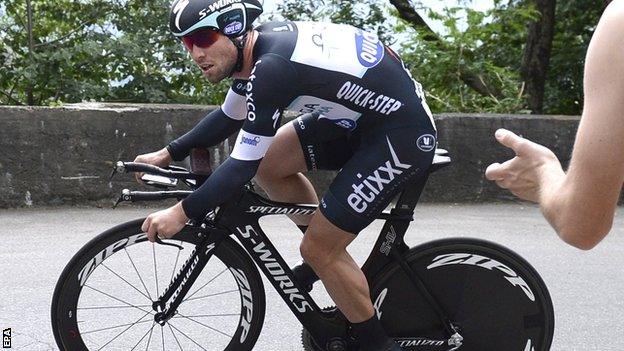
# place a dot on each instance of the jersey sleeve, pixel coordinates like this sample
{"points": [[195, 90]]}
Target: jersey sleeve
{"points": [[271, 86], [269, 90], [216, 126]]}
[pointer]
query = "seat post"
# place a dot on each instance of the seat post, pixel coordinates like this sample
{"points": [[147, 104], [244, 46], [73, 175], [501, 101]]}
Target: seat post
{"points": [[408, 198]]}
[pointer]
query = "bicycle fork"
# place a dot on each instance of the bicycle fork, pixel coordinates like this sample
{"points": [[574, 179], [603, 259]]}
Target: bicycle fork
{"points": [[167, 304]]}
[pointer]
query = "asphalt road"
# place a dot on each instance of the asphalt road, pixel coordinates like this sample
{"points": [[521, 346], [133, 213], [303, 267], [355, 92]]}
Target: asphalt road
{"points": [[586, 287]]}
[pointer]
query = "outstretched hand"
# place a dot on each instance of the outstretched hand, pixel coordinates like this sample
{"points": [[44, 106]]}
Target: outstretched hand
{"points": [[527, 174]]}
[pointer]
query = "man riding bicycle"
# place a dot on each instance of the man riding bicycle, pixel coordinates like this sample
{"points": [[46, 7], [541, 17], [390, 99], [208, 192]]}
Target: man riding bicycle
{"points": [[364, 116]]}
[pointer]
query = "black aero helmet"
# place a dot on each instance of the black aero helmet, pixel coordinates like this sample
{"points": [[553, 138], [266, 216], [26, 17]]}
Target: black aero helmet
{"points": [[230, 17]]}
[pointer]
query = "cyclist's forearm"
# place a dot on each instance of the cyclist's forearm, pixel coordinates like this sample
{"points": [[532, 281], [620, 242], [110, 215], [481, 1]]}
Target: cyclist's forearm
{"points": [[224, 183], [210, 131]]}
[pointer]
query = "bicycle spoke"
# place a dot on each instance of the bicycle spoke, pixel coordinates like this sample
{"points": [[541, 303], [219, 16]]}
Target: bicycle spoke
{"points": [[213, 315], [188, 337], [110, 328], [139, 275], [155, 270], [174, 336], [162, 337], [207, 326], [132, 286], [111, 307], [203, 286], [143, 337], [211, 295], [113, 297], [125, 330], [149, 340]]}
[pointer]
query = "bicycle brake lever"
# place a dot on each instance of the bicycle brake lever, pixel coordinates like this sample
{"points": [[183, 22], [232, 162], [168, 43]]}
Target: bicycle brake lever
{"points": [[118, 168], [158, 241]]}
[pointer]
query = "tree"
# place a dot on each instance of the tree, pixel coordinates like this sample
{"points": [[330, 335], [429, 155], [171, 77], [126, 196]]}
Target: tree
{"points": [[537, 50], [101, 50]]}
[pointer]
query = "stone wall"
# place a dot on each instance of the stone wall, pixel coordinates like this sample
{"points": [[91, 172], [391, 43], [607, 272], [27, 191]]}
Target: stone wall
{"points": [[64, 155]]}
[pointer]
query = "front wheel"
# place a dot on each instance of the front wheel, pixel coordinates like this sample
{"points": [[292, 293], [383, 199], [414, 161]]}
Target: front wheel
{"points": [[496, 298], [103, 299]]}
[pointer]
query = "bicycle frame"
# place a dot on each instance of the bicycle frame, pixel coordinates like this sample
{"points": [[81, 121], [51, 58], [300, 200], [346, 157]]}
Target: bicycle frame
{"points": [[240, 218]]}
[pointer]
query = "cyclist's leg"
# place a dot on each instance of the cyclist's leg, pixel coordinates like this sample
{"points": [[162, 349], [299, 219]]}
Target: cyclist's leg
{"points": [[299, 146], [363, 188], [280, 172]]}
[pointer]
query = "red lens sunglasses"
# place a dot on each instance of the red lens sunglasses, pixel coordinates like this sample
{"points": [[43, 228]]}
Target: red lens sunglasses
{"points": [[201, 38]]}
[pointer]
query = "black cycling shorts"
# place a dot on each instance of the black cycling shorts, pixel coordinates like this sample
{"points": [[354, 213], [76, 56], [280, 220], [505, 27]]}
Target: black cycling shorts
{"points": [[374, 164]]}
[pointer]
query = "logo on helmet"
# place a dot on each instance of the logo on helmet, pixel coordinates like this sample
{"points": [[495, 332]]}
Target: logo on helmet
{"points": [[178, 8], [233, 28], [370, 50]]}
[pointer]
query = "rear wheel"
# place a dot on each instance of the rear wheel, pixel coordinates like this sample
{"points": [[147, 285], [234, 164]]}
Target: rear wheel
{"points": [[495, 297], [103, 299]]}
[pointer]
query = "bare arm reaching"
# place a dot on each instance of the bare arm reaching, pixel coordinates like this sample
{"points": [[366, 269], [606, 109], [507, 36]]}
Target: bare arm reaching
{"points": [[579, 204]]}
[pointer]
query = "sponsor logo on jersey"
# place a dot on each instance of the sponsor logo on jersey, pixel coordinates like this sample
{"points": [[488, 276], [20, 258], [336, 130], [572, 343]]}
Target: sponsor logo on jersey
{"points": [[375, 183], [309, 108], [251, 106], [426, 142], [250, 141], [345, 123], [232, 28], [367, 98], [370, 50]]}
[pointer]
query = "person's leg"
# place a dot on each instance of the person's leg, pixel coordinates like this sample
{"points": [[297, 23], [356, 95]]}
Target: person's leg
{"points": [[324, 247], [280, 172]]}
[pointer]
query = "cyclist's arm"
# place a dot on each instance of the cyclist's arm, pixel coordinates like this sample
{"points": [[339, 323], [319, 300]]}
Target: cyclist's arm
{"points": [[581, 207], [215, 127], [270, 86]]}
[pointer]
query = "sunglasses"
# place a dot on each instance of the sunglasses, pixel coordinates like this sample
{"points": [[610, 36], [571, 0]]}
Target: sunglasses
{"points": [[201, 38]]}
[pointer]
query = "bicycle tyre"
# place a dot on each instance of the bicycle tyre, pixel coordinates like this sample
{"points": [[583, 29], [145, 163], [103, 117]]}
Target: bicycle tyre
{"points": [[497, 298], [94, 257]]}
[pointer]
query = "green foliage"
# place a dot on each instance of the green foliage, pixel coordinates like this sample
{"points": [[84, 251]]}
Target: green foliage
{"points": [[487, 44], [576, 22], [121, 50], [366, 14], [98, 50]]}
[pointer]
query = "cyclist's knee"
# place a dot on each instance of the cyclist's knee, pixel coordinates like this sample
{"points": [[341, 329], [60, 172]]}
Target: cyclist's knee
{"points": [[314, 252]]}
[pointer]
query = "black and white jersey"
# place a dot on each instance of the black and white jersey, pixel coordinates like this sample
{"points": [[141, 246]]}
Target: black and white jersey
{"points": [[340, 72]]}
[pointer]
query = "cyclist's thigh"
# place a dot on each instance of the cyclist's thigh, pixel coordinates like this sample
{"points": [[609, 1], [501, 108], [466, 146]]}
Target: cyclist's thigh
{"points": [[385, 162], [284, 157], [325, 145]]}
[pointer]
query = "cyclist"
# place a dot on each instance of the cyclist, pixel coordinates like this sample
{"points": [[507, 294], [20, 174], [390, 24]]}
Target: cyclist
{"points": [[364, 115], [579, 204]]}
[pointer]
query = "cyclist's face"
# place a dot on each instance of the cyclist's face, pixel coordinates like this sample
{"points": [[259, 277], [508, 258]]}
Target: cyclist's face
{"points": [[214, 53]]}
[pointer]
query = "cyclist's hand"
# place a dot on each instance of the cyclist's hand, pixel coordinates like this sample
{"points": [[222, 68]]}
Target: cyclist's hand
{"points": [[165, 223], [160, 158], [527, 175]]}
